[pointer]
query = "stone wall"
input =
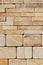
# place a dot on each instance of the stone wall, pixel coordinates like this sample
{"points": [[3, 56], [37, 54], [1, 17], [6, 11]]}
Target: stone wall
{"points": [[21, 32]]}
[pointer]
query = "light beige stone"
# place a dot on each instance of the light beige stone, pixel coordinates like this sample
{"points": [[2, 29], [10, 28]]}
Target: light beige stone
{"points": [[32, 40], [24, 52], [2, 9], [14, 40], [6, 1], [33, 31], [7, 52], [27, 1], [2, 19], [16, 1], [37, 52], [9, 27], [2, 40], [35, 62], [20, 10], [17, 62], [37, 1]]}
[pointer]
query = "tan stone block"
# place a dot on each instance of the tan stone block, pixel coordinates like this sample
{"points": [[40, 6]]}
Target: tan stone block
{"points": [[1, 28], [1, 1], [20, 10], [32, 40], [35, 62], [37, 19], [6, 1], [30, 27], [24, 52], [17, 62], [7, 52], [37, 52], [3, 62], [42, 40], [2, 9], [9, 27], [14, 40], [2, 32], [2, 19], [19, 5], [39, 10], [33, 31], [7, 6], [33, 1], [22, 20], [2, 40], [9, 32], [7, 23], [16, 1], [27, 1], [32, 14], [37, 1]]}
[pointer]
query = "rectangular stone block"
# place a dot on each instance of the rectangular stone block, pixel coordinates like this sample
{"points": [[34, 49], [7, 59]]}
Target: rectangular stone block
{"points": [[37, 19], [3, 62], [35, 62], [32, 40], [39, 10], [16, 1], [20, 10], [42, 40], [33, 31], [37, 1], [2, 9], [2, 32], [16, 32], [30, 27], [22, 20], [24, 52], [27, 1], [13, 1], [14, 40], [6, 1], [33, 1], [9, 27], [35, 14], [2, 40], [2, 19], [17, 62], [37, 52], [7, 6], [7, 52]]}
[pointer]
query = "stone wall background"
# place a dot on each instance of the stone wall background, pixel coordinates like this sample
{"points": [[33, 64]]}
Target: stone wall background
{"points": [[21, 32]]}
